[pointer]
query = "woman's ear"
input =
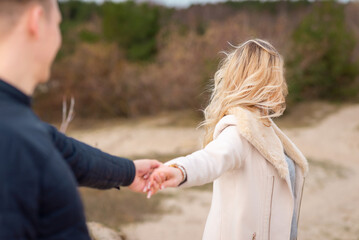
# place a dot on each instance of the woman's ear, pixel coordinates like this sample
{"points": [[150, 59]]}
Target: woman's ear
{"points": [[35, 17]]}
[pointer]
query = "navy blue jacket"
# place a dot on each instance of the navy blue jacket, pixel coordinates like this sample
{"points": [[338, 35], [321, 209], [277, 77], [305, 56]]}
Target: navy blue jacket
{"points": [[40, 169]]}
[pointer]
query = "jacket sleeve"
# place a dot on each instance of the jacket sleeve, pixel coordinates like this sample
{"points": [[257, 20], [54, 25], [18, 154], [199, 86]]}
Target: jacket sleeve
{"points": [[221, 155], [92, 167]]}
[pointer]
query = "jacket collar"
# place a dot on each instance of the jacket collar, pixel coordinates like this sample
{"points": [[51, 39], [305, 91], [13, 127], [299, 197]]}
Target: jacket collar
{"points": [[9, 92], [270, 141]]}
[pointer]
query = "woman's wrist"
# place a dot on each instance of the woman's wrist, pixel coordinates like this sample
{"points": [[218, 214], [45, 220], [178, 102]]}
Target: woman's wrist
{"points": [[182, 173]]}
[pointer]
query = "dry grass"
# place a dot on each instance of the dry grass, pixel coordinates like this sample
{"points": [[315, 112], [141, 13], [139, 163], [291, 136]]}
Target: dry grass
{"points": [[115, 208], [306, 114], [184, 118], [324, 171], [331, 169]]}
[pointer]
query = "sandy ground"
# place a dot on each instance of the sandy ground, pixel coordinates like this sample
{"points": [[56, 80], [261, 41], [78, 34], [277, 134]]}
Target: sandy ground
{"points": [[330, 208], [147, 138]]}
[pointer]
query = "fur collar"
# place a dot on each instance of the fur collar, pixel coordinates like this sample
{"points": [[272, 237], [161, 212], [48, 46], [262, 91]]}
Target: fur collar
{"points": [[271, 142]]}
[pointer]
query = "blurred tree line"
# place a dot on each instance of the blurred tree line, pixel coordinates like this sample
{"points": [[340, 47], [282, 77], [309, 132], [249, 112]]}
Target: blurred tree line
{"points": [[322, 65], [132, 26], [128, 59]]}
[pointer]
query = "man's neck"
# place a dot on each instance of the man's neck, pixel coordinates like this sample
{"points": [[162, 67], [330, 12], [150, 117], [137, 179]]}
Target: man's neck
{"points": [[23, 86], [15, 70]]}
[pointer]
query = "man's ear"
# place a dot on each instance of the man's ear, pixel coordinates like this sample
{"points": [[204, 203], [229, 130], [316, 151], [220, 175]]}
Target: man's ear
{"points": [[35, 17]]}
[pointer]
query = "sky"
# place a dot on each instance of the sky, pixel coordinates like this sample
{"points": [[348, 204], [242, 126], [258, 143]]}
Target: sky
{"points": [[172, 3]]}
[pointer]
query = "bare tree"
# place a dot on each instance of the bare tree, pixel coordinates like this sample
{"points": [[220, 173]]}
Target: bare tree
{"points": [[67, 117]]}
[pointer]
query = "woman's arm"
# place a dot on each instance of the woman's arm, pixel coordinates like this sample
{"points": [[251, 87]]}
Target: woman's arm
{"points": [[221, 155]]}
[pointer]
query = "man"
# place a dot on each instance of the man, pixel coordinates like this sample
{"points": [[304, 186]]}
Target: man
{"points": [[41, 168]]}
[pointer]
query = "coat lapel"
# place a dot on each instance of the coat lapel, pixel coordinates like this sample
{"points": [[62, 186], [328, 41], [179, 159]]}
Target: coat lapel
{"points": [[270, 141]]}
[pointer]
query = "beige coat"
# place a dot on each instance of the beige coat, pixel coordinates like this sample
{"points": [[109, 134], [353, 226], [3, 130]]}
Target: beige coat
{"points": [[252, 195]]}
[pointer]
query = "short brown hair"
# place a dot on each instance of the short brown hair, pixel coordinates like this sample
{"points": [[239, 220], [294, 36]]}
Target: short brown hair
{"points": [[11, 10]]}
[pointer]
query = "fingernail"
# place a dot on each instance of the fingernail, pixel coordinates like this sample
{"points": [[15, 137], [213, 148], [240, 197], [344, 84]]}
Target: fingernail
{"points": [[145, 189], [162, 187], [149, 195]]}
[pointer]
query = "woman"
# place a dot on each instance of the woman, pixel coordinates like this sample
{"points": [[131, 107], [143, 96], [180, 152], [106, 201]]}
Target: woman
{"points": [[258, 172]]}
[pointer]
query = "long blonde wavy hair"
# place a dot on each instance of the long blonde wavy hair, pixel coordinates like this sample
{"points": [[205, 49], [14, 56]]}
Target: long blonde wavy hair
{"points": [[250, 77]]}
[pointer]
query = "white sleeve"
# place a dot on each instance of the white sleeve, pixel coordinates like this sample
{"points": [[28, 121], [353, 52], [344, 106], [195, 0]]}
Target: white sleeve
{"points": [[221, 155]]}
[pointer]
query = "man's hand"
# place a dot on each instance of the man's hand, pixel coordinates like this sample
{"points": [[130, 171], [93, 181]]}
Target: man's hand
{"points": [[144, 168]]}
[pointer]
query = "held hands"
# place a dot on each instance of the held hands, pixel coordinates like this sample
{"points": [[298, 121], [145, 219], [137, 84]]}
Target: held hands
{"points": [[144, 168], [152, 176], [163, 177]]}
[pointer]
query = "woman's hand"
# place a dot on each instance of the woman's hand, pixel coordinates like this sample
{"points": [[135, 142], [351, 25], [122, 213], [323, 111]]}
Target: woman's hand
{"points": [[163, 177]]}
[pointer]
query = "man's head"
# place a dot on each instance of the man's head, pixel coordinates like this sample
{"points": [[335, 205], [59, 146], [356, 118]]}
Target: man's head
{"points": [[29, 39]]}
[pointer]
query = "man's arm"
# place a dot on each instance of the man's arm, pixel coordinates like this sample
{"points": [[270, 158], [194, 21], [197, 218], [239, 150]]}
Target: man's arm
{"points": [[92, 167]]}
